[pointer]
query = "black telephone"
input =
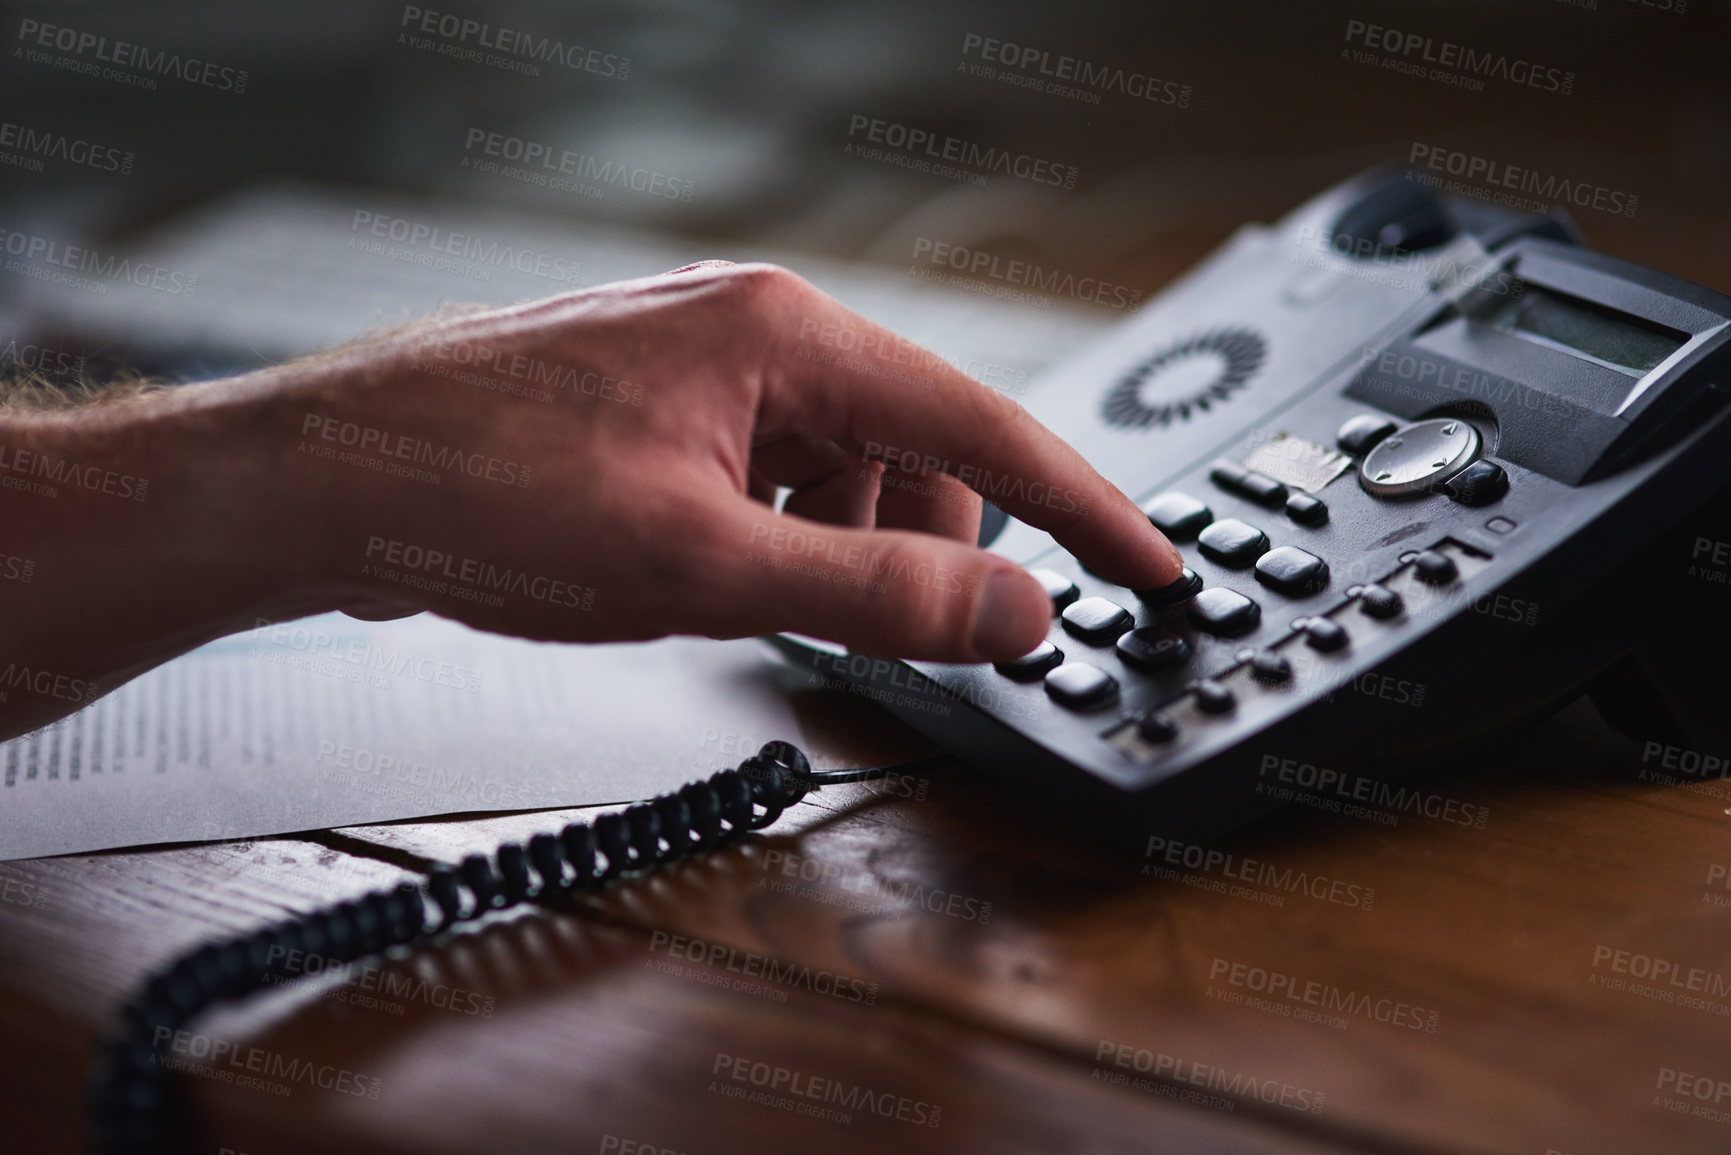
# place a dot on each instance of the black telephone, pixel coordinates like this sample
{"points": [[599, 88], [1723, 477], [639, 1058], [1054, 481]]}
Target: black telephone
{"points": [[1412, 447]]}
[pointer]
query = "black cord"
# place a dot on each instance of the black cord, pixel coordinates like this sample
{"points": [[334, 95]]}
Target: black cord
{"points": [[131, 1106]]}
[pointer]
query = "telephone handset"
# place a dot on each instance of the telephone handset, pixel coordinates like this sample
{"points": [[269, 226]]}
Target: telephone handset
{"points": [[1427, 460]]}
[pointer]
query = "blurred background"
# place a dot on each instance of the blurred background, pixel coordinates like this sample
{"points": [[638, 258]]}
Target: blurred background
{"points": [[195, 187]]}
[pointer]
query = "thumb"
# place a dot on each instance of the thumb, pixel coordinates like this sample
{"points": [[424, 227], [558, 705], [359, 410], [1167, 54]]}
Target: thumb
{"points": [[892, 593]]}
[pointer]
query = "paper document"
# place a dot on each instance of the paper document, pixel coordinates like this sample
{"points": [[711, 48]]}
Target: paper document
{"points": [[330, 721]]}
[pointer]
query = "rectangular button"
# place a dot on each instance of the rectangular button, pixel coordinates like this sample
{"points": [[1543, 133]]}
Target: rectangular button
{"points": [[1251, 486]]}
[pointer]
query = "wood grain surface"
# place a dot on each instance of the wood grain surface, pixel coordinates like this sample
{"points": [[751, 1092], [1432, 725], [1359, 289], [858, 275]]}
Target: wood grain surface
{"points": [[932, 965]]}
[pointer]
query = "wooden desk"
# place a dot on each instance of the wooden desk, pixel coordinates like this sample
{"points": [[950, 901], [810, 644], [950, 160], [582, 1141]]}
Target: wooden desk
{"points": [[1476, 1002]]}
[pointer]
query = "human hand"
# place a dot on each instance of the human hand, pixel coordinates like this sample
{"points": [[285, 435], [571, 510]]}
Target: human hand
{"points": [[635, 499], [592, 467]]}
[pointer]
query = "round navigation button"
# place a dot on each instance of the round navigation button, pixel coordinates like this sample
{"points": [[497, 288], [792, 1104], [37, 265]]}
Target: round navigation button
{"points": [[1413, 460]]}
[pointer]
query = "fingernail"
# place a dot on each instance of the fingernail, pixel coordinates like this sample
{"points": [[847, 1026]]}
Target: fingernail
{"points": [[1174, 559], [1172, 553], [1005, 620]]}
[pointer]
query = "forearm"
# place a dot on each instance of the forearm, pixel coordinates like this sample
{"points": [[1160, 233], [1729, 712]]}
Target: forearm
{"points": [[139, 529]]}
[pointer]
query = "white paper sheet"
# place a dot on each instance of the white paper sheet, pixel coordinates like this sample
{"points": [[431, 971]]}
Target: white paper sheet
{"points": [[331, 722]]}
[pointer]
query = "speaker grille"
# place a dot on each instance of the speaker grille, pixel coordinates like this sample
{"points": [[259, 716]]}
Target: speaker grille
{"points": [[1133, 404]]}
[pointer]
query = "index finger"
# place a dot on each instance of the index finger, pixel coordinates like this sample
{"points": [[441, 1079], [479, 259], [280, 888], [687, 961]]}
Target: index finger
{"points": [[885, 398]]}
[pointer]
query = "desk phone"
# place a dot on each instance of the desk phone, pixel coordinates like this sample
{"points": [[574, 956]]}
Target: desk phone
{"points": [[1434, 467]]}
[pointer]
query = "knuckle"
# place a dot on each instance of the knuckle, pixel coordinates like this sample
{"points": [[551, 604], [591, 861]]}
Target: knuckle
{"points": [[710, 263], [991, 421], [760, 281], [1002, 409]]}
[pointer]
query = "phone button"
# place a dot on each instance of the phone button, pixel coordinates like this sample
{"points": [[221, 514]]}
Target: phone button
{"points": [[1152, 648], [1186, 587], [1249, 484], [1380, 602], [1097, 620], [1178, 515], [1226, 613], [1033, 665], [1480, 483], [1306, 510], [1392, 218], [1059, 588], [1324, 634], [1080, 686], [1213, 698], [1433, 568], [1270, 668], [1232, 543], [1415, 459], [1360, 435], [1156, 727], [1291, 571]]}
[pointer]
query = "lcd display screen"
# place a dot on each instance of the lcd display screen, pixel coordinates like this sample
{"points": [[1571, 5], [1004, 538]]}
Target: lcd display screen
{"points": [[1616, 340]]}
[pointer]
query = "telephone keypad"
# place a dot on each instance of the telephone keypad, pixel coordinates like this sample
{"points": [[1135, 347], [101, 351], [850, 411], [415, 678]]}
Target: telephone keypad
{"points": [[1232, 543], [1177, 713]]}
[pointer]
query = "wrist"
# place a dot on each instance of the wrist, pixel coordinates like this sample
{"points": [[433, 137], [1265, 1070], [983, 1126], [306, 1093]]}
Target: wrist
{"points": [[191, 493]]}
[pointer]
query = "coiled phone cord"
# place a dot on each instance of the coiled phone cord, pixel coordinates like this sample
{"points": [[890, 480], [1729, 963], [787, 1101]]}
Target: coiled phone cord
{"points": [[130, 1099]]}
